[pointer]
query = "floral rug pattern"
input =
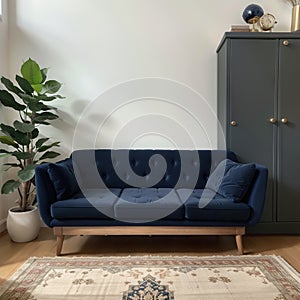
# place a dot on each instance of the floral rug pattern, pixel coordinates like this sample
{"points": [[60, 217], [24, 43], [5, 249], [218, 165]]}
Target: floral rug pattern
{"points": [[154, 278]]}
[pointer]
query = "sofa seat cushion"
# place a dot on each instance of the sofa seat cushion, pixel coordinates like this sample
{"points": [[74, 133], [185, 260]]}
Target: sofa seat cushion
{"points": [[99, 205], [149, 204], [207, 206]]}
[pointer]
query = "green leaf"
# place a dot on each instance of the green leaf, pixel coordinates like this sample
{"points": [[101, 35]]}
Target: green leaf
{"points": [[4, 155], [35, 133], [10, 186], [24, 127], [7, 140], [39, 118], [24, 84], [51, 86], [49, 154], [8, 100], [59, 96], [44, 74], [23, 155], [4, 151], [10, 86], [37, 87], [18, 136], [13, 165], [8, 130], [46, 98], [38, 106], [28, 98], [27, 174], [31, 71], [40, 142], [21, 138], [46, 147]]}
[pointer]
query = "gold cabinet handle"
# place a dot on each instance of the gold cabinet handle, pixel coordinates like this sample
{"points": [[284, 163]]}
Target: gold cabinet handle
{"points": [[285, 42], [233, 123], [273, 120], [284, 120]]}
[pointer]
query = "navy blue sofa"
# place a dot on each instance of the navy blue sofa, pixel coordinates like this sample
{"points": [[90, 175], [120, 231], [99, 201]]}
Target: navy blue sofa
{"points": [[146, 192]]}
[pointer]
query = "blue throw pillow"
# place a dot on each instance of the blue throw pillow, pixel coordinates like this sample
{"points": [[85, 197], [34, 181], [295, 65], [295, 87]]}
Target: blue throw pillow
{"points": [[63, 179], [231, 180]]}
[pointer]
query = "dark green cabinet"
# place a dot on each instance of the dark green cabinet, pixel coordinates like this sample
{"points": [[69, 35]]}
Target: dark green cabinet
{"points": [[259, 113]]}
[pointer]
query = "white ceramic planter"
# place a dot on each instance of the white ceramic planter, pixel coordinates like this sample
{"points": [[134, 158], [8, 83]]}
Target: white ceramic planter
{"points": [[23, 226]]}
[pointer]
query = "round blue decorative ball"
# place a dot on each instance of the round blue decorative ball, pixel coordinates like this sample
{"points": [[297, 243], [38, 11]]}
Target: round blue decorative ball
{"points": [[252, 13]]}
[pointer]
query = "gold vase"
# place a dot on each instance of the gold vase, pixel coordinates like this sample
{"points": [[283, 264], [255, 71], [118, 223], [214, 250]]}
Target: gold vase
{"points": [[295, 25]]}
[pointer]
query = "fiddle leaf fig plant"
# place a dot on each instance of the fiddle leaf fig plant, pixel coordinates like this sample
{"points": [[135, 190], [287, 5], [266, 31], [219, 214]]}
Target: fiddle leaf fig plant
{"points": [[30, 98]]}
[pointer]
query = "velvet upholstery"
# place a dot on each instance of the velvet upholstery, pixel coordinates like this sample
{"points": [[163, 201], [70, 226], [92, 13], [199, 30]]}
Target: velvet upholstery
{"points": [[217, 208], [63, 179], [157, 204], [99, 204], [179, 183], [231, 179]]}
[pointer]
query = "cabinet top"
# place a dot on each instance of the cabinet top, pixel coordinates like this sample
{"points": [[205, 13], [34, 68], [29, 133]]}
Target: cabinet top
{"points": [[258, 35]]}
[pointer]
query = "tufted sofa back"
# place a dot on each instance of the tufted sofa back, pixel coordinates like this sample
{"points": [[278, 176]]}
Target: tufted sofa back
{"points": [[146, 168]]}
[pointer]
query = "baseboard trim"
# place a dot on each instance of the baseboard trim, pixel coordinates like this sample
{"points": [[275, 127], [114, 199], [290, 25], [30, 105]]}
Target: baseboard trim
{"points": [[2, 225], [275, 228]]}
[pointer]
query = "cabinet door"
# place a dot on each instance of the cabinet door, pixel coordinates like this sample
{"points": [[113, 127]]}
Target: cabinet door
{"points": [[253, 67], [288, 205]]}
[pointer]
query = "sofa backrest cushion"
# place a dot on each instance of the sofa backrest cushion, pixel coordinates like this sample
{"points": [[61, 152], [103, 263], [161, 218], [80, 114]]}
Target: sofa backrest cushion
{"points": [[63, 179], [231, 179], [146, 168]]}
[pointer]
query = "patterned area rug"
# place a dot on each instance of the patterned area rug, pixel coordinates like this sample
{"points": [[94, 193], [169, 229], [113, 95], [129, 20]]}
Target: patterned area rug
{"points": [[154, 278]]}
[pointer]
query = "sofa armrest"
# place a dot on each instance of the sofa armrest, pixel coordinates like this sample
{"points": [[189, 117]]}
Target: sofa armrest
{"points": [[45, 192], [256, 199]]}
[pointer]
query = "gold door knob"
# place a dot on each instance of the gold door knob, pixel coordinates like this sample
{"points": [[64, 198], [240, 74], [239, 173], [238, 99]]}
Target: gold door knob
{"points": [[285, 42], [284, 120], [273, 120], [233, 123]]}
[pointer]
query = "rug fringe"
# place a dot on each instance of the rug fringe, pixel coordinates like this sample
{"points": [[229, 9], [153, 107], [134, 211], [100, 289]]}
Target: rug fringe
{"points": [[152, 256], [156, 257], [15, 275], [292, 271]]}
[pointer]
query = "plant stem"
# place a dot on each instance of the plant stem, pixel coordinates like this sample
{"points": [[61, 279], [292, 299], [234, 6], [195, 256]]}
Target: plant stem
{"points": [[23, 196]]}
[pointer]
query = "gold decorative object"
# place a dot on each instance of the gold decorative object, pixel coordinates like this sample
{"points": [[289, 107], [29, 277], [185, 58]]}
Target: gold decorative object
{"points": [[295, 23], [267, 22], [254, 21]]}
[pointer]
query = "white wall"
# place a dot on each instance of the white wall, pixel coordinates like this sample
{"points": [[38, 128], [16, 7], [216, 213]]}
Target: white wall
{"points": [[4, 39], [3, 71], [93, 45]]}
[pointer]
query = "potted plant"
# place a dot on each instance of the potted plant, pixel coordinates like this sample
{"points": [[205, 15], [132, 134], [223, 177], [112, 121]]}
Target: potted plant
{"points": [[23, 144]]}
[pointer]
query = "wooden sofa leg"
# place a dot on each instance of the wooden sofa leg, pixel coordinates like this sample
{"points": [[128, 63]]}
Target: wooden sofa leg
{"points": [[60, 240], [239, 244], [58, 231]]}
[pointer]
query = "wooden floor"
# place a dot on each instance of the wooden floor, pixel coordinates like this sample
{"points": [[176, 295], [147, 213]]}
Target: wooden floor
{"points": [[13, 255]]}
